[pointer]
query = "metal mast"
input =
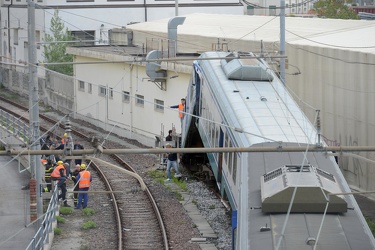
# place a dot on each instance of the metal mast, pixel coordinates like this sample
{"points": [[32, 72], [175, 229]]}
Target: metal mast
{"points": [[34, 113], [282, 41]]}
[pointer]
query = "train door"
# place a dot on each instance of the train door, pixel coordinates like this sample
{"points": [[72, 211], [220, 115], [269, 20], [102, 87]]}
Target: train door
{"points": [[198, 81], [220, 155]]}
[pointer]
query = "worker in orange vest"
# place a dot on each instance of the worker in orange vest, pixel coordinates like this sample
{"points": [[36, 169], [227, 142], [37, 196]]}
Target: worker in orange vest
{"points": [[181, 109], [59, 175], [84, 179]]}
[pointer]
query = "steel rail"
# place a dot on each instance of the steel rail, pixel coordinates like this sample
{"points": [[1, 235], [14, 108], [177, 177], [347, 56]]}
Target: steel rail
{"points": [[114, 203], [101, 174]]}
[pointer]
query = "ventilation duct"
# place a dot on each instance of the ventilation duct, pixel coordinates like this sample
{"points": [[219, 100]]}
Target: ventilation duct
{"points": [[278, 185], [153, 69], [172, 34], [120, 37], [245, 69]]}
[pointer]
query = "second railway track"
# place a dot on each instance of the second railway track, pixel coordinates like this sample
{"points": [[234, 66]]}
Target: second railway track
{"points": [[139, 222]]}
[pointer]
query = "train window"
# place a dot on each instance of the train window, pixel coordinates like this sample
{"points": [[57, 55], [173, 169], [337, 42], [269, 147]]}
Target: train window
{"points": [[102, 90], [230, 162], [89, 88], [111, 93], [81, 85], [159, 105], [225, 146], [140, 100], [125, 96], [297, 168], [234, 175]]}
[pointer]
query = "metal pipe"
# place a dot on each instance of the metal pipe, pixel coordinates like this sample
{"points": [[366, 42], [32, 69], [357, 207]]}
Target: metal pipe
{"points": [[313, 148], [175, 59]]}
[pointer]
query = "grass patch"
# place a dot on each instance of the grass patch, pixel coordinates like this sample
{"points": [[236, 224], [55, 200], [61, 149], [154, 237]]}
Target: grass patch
{"points": [[60, 219], [84, 247], [2, 148], [179, 196], [371, 225], [88, 211], [158, 175], [194, 202], [57, 231], [211, 206], [180, 183], [89, 225], [66, 210]]}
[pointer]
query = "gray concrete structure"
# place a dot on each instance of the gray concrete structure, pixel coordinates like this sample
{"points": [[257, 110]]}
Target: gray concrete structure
{"points": [[16, 232]]}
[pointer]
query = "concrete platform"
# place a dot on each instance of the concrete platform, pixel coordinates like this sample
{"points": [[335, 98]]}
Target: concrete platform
{"points": [[14, 202], [192, 210]]}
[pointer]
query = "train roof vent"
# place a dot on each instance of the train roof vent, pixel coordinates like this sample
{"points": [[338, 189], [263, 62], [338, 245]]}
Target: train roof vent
{"points": [[245, 69], [278, 185]]}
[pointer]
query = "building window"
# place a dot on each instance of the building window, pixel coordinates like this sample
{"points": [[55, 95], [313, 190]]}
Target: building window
{"points": [[87, 35], [111, 93], [125, 96], [15, 36], [37, 38], [159, 105], [140, 100], [81, 86], [102, 91], [89, 87]]}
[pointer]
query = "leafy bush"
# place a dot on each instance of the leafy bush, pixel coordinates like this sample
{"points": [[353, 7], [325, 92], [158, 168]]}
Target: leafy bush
{"points": [[371, 225]]}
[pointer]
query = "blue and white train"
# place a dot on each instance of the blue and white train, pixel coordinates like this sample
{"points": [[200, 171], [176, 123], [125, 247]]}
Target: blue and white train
{"points": [[239, 102]]}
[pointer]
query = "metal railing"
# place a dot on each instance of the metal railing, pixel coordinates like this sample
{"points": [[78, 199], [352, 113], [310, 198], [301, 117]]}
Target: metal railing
{"points": [[15, 126], [42, 236]]}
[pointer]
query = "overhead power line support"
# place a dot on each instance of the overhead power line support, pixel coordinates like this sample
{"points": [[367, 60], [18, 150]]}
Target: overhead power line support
{"points": [[34, 119], [282, 41]]}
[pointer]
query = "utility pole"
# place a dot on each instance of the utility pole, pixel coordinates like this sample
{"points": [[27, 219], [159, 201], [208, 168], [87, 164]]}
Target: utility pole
{"points": [[36, 209], [282, 41]]}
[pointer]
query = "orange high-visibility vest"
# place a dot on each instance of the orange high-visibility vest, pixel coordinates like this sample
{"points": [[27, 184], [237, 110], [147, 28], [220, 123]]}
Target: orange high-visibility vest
{"points": [[84, 179], [181, 108], [56, 171]]}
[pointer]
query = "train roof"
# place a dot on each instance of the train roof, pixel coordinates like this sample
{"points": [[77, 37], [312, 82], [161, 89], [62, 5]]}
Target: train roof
{"points": [[261, 108], [339, 230]]}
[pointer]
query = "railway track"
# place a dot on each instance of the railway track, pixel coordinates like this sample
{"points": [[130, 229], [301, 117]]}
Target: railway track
{"points": [[139, 224]]}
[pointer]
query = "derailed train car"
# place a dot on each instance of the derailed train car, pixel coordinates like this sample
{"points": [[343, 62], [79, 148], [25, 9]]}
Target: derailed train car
{"points": [[279, 200]]}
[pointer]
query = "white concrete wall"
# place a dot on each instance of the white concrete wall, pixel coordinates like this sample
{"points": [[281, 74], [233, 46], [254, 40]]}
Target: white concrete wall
{"points": [[113, 111], [343, 90]]}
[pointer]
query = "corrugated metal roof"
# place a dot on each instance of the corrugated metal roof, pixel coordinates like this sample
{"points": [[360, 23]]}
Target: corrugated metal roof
{"points": [[352, 34]]}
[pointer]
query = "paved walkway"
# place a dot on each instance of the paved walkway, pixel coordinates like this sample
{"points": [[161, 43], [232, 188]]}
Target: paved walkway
{"points": [[14, 202], [192, 210]]}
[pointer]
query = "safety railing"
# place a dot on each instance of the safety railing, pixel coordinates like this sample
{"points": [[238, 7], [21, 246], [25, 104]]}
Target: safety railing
{"points": [[42, 236], [15, 126]]}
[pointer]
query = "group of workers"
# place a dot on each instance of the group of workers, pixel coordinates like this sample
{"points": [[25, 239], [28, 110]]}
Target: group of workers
{"points": [[81, 177], [59, 172]]}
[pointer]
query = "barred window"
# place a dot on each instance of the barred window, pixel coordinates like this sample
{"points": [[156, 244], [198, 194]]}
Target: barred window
{"points": [[111, 93], [159, 105], [102, 91], [140, 100], [81, 85], [125, 96]]}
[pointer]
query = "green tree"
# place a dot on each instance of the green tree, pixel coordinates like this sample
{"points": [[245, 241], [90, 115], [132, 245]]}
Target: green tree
{"points": [[56, 52], [335, 9]]}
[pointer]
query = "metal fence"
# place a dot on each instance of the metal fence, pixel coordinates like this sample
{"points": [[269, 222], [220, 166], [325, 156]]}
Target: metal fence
{"points": [[42, 236], [15, 126]]}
